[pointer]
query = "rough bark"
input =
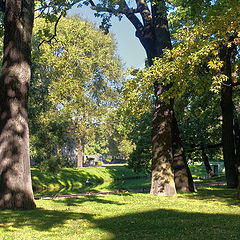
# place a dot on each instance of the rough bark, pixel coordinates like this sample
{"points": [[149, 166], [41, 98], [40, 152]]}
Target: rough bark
{"points": [[236, 137], [162, 172], [15, 177], [153, 33], [227, 114], [182, 175]]}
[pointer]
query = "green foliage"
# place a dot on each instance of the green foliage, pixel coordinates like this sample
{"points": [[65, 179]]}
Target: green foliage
{"points": [[76, 82], [200, 125], [191, 70], [50, 165], [140, 158], [193, 66]]}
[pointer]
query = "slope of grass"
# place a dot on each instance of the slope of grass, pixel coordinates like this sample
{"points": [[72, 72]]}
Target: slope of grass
{"points": [[70, 180], [212, 213], [92, 179]]}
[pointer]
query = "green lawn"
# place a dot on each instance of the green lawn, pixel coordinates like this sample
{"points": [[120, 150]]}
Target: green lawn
{"points": [[90, 179], [212, 213]]}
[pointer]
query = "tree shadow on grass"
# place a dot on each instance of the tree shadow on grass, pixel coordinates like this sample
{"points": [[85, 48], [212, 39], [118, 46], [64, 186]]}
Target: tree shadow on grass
{"points": [[215, 193], [171, 224], [39, 219], [79, 201], [42, 220], [157, 224]]}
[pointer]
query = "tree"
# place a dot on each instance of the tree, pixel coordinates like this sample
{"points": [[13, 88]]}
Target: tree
{"points": [[154, 36], [15, 185], [203, 57], [84, 73], [226, 42], [200, 128]]}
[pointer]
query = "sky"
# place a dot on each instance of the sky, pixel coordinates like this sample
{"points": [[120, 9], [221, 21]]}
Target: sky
{"points": [[130, 50]]}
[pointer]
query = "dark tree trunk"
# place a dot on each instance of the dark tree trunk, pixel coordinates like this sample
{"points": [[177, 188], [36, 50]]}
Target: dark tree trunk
{"points": [[153, 33], [162, 172], [206, 163], [162, 148], [15, 182], [182, 175], [236, 138], [237, 147], [227, 114]]}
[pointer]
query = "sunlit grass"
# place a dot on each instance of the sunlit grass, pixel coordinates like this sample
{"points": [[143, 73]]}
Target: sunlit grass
{"points": [[95, 179], [89, 179], [211, 213]]}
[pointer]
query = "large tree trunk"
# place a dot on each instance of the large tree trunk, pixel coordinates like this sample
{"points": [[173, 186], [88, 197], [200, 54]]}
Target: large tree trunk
{"points": [[182, 175], [237, 147], [153, 33], [162, 172], [15, 182], [227, 114], [169, 142]]}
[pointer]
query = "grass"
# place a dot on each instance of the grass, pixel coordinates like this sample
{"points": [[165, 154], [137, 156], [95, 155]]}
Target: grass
{"points": [[87, 179], [95, 179], [211, 213]]}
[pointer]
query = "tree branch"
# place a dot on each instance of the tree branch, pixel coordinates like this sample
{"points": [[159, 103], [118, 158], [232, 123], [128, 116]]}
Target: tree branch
{"points": [[99, 8], [54, 35], [130, 15], [144, 11]]}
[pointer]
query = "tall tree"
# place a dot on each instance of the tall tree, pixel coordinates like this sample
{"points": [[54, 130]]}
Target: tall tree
{"points": [[15, 184], [227, 41], [203, 58], [84, 72], [229, 154], [153, 33]]}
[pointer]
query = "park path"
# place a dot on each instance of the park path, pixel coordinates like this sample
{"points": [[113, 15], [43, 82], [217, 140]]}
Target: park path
{"points": [[208, 184]]}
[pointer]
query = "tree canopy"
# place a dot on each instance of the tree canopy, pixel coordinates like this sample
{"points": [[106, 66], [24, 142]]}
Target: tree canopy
{"points": [[82, 76]]}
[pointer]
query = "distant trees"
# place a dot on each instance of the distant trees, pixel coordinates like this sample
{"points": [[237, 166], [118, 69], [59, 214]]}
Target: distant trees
{"points": [[81, 73]]}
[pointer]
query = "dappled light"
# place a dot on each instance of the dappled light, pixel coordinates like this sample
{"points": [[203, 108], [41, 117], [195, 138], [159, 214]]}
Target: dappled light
{"points": [[118, 217], [216, 193], [15, 185]]}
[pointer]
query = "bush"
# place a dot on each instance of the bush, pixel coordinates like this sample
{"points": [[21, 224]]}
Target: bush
{"points": [[50, 165]]}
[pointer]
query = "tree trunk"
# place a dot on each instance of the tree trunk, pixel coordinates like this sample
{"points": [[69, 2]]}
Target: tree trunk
{"points": [[153, 33], [237, 146], [182, 175], [206, 163], [169, 141], [59, 155], [80, 153], [162, 172], [15, 184], [227, 114]]}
